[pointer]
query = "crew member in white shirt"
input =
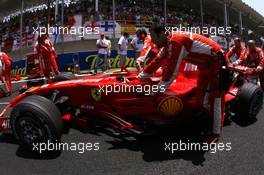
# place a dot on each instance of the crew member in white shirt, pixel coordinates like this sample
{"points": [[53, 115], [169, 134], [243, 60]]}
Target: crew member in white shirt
{"points": [[122, 50], [102, 45], [137, 44], [108, 50]]}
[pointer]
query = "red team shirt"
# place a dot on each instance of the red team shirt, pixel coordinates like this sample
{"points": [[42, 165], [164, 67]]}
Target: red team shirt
{"points": [[253, 59], [197, 47], [239, 51], [48, 55], [150, 49]]}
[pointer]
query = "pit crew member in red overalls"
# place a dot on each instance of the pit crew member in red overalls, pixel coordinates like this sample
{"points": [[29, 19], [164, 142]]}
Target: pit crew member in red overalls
{"points": [[200, 51], [5, 68], [254, 58], [47, 55], [238, 50], [149, 49]]}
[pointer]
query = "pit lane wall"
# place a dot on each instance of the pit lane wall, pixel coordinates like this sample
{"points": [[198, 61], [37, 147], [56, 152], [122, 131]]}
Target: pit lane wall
{"points": [[86, 60]]}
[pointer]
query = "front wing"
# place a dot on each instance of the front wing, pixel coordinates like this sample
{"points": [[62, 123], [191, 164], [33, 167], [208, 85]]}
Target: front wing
{"points": [[4, 117], [5, 124]]}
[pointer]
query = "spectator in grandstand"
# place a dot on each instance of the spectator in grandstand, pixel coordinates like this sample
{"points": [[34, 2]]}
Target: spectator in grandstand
{"points": [[137, 44], [122, 50], [71, 20], [102, 45], [5, 68], [237, 52], [137, 17]]}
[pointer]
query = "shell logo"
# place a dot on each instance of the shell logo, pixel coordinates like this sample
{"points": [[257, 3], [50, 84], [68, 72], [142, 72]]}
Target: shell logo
{"points": [[170, 106]]}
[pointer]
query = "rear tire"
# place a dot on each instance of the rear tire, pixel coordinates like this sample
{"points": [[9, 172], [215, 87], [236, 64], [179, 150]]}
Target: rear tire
{"points": [[250, 99], [36, 120]]}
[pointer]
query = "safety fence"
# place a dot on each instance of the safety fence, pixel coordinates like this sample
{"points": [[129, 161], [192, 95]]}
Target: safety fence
{"points": [[86, 61]]}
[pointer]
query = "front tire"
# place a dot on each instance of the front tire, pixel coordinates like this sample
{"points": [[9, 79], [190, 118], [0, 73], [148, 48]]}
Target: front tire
{"points": [[36, 120]]}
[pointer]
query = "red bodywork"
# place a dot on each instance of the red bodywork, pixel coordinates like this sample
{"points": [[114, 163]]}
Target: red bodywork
{"points": [[119, 110]]}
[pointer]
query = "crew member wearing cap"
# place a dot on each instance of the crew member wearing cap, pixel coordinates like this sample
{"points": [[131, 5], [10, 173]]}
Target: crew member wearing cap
{"points": [[102, 45], [254, 58], [237, 50]]}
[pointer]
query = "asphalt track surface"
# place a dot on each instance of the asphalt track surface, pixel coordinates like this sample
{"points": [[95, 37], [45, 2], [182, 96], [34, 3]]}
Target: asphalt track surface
{"points": [[141, 156]]}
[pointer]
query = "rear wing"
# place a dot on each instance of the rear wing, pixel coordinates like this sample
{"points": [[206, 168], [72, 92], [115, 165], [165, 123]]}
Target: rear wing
{"points": [[244, 70]]}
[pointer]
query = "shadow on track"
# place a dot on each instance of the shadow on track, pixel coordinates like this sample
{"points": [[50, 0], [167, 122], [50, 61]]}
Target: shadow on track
{"points": [[21, 152], [153, 146]]}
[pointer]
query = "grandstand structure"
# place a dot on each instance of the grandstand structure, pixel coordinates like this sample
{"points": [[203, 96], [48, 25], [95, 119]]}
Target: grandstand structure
{"points": [[116, 16]]}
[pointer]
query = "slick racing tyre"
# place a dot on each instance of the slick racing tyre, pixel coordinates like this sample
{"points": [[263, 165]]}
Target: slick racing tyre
{"points": [[36, 120], [250, 99], [64, 76]]}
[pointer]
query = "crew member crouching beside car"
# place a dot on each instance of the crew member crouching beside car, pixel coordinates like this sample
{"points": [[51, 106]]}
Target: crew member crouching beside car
{"points": [[253, 58], [238, 51], [5, 69]]}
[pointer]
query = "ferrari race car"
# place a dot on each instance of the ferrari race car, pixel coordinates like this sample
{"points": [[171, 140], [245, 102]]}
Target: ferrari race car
{"points": [[115, 100]]}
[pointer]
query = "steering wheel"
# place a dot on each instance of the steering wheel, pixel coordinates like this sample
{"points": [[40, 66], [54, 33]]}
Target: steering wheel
{"points": [[127, 71], [123, 79]]}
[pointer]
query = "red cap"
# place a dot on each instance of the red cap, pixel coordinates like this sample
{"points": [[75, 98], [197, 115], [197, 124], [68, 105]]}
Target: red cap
{"points": [[102, 33]]}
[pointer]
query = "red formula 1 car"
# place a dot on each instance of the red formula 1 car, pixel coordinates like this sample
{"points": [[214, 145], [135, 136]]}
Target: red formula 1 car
{"points": [[115, 100]]}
